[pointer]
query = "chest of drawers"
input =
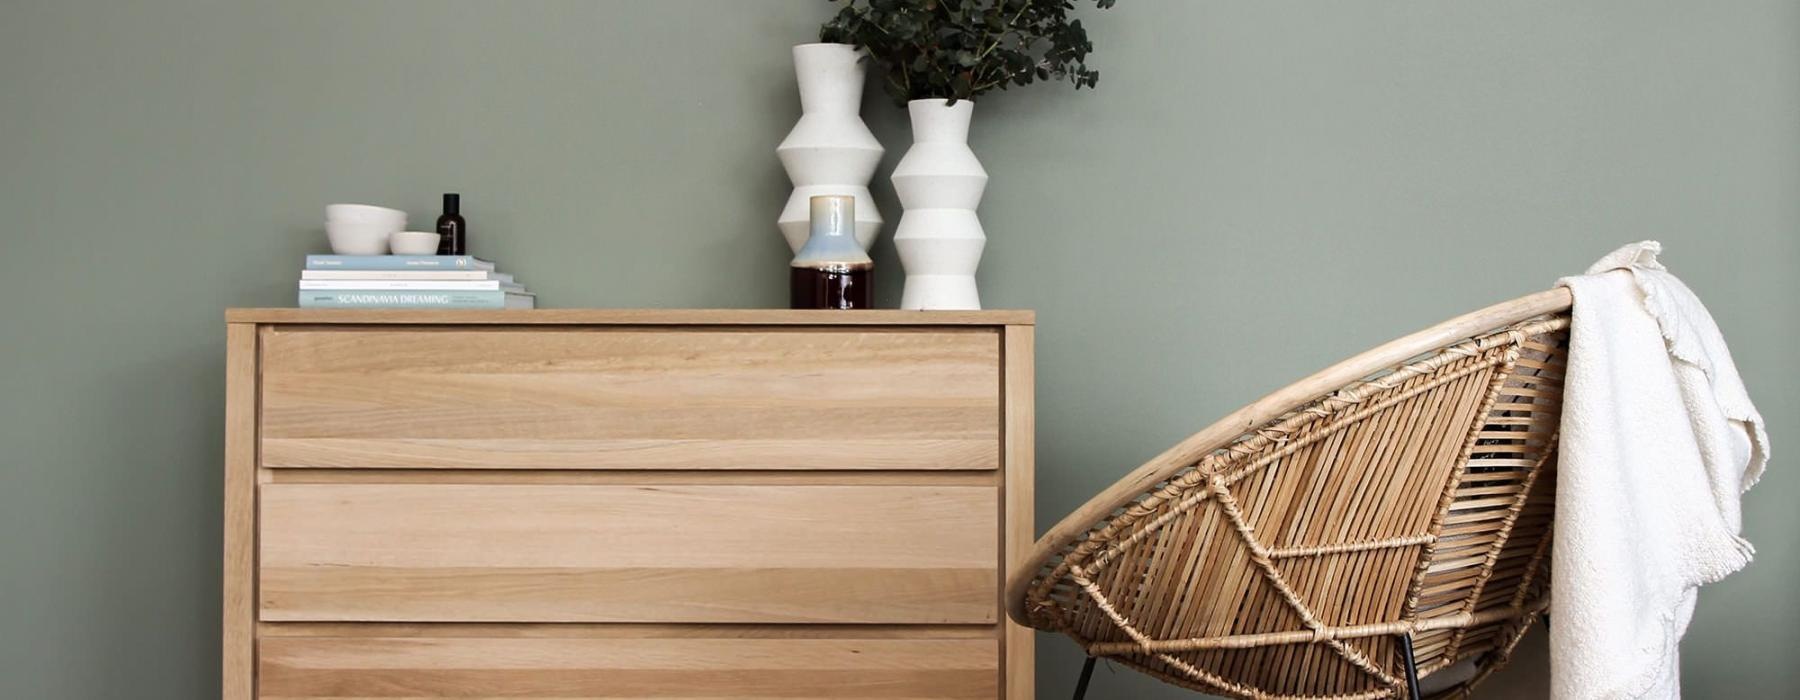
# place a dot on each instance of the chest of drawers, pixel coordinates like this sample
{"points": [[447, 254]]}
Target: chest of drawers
{"points": [[571, 504]]}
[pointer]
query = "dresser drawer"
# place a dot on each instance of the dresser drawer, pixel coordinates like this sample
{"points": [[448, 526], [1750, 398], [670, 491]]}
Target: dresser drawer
{"points": [[487, 552], [630, 398], [296, 668]]}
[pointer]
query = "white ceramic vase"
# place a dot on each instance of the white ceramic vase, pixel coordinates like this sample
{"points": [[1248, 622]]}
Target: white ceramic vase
{"points": [[940, 183], [830, 151]]}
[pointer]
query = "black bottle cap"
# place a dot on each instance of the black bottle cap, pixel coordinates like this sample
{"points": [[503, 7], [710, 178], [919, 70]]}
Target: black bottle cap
{"points": [[452, 203]]}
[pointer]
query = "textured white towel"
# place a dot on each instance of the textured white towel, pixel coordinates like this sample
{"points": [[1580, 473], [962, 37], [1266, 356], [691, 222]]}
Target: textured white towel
{"points": [[1659, 440]]}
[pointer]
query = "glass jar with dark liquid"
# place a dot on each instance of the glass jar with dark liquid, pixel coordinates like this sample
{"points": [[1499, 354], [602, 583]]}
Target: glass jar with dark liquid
{"points": [[832, 271]]}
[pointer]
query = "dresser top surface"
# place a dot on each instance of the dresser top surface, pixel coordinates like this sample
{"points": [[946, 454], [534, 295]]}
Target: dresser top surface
{"points": [[633, 317]]}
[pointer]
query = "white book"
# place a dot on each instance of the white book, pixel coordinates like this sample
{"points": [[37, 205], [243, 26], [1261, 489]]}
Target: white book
{"points": [[407, 275], [403, 285], [377, 299]]}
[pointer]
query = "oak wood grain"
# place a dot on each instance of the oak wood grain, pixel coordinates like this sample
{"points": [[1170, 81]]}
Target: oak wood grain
{"points": [[646, 317], [315, 668], [239, 587], [1018, 642], [592, 553], [647, 399], [627, 503], [624, 630], [636, 477]]}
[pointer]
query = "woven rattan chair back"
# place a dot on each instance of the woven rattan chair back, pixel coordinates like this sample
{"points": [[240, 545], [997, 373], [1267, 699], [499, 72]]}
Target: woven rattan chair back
{"points": [[1284, 552]]}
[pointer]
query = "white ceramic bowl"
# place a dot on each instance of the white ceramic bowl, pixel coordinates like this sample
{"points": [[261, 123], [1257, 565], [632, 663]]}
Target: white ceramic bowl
{"points": [[358, 239], [413, 242], [365, 214]]}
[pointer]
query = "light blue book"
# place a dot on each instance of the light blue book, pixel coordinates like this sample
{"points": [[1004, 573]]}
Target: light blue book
{"points": [[391, 299], [396, 262]]}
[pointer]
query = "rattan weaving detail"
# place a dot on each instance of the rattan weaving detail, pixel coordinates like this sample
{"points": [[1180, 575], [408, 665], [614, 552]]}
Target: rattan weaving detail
{"points": [[1281, 566]]}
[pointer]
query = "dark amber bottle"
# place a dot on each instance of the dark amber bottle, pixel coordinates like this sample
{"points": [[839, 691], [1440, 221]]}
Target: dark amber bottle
{"points": [[453, 232]]}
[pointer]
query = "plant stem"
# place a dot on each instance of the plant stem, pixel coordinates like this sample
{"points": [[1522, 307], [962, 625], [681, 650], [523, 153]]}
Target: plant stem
{"points": [[1002, 36], [1004, 78]]}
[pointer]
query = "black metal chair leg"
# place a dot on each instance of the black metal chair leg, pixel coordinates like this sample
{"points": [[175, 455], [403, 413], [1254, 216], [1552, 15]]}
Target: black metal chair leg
{"points": [[1087, 673], [1412, 668]]}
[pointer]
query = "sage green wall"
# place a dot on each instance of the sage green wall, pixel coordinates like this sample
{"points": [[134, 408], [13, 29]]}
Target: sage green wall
{"points": [[1256, 189]]}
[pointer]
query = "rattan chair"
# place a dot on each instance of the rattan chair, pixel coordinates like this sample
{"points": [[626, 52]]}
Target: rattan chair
{"points": [[1384, 519]]}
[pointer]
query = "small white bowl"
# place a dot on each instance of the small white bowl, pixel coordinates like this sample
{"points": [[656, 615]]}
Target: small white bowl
{"points": [[365, 214], [414, 242], [358, 239]]}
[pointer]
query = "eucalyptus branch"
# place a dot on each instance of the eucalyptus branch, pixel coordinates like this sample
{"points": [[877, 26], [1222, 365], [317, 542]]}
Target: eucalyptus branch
{"points": [[1001, 36]]}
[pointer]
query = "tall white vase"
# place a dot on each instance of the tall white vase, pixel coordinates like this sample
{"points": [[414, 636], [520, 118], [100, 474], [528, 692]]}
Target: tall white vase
{"points": [[830, 151], [940, 183]]}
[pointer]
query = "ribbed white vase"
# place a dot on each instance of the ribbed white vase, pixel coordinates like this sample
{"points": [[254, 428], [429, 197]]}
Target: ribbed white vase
{"points": [[830, 151], [940, 183]]}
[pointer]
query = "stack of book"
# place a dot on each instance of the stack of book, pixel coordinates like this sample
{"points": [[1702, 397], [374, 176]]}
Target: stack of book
{"points": [[408, 282]]}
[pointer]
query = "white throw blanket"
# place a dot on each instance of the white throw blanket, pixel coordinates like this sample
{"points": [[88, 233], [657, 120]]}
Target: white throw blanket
{"points": [[1658, 441]]}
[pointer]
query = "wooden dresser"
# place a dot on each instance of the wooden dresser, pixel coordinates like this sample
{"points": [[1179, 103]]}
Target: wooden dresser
{"points": [[572, 504]]}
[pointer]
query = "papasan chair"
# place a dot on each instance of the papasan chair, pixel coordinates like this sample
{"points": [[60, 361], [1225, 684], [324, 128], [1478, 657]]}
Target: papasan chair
{"points": [[1383, 520]]}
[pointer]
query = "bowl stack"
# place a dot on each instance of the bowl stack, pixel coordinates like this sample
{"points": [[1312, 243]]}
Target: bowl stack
{"points": [[361, 229]]}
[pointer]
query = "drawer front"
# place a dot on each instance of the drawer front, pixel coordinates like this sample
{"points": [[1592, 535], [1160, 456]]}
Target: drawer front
{"points": [[295, 668], [626, 398], [628, 553]]}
